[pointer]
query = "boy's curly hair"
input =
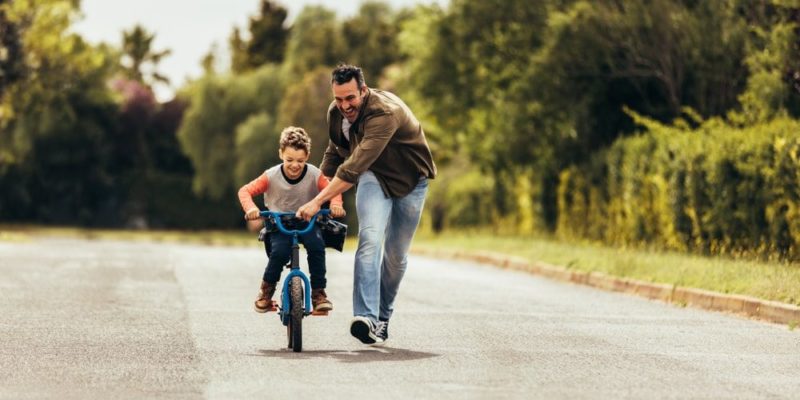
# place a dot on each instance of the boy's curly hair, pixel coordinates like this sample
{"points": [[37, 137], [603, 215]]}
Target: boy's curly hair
{"points": [[296, 138]]}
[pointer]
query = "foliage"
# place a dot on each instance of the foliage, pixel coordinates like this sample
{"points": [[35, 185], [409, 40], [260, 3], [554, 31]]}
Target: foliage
{"points": [[266, 42], [774, 64], [316, 40], [531, 109], [218, 105], [717, 189], [460, 197], [11, 60], [313, 93], [56, 119], [257, 145], [370, 38], [137, 52], [541, 86]]}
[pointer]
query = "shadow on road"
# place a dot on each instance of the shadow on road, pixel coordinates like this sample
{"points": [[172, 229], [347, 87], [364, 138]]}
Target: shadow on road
{"points": [[359, 356]]}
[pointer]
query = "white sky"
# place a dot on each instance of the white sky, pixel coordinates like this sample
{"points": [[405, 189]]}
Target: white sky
{"points": [[190, 27]]}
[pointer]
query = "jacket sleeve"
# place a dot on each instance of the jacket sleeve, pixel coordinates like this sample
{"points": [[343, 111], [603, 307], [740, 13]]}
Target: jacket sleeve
{"points": [[254, 188], [330, 160], [378, 131]]}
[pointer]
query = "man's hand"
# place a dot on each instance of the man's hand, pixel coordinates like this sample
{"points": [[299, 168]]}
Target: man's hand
{"points": [[337, 211], [308, 210]]}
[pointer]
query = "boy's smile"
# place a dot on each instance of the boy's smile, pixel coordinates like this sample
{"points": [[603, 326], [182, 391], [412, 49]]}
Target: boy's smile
{"points": [[294, 161]]}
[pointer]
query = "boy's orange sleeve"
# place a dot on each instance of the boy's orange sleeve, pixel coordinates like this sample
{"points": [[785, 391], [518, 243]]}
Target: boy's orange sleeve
{"points": [[322, 183], [254, 188]]}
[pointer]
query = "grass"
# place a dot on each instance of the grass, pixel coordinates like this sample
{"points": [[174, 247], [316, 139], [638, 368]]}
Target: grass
{"points": [[21, 233], [765, 280]]}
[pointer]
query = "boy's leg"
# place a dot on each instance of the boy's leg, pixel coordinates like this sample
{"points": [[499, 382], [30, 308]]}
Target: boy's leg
{"points": [[406, 213], [315, 251], [279, 254], [373, 209]]}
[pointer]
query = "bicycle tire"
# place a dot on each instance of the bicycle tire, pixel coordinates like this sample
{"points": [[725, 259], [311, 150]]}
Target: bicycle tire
{"points": [[296, 314]]}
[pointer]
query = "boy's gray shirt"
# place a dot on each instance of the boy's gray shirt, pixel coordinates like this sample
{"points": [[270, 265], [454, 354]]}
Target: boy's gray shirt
{"points": [[282, 196]]}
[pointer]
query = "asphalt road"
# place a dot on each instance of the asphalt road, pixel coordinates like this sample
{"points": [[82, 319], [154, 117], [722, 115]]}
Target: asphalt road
{"points": [[108, 319]]}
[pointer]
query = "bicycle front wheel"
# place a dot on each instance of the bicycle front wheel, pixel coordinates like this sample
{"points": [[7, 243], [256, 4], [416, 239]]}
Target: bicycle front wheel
{"points": [[295, 327]]}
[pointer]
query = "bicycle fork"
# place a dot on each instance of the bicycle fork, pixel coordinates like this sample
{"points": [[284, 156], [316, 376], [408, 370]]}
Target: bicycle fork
{"points": [[295, 271]]}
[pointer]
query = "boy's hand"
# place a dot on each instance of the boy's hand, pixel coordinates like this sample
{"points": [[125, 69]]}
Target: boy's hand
{"points": [[252, 214], [337, 211]]}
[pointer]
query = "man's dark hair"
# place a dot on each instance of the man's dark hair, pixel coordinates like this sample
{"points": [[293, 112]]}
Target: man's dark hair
{"points": [[344, 73]]}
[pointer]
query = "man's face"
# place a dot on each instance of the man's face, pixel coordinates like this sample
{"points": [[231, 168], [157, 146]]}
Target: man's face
{"points": [[348, 98]]}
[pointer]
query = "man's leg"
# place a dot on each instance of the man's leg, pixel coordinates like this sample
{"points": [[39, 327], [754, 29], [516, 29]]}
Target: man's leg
{"points": [[405, 216], [373, 209]]}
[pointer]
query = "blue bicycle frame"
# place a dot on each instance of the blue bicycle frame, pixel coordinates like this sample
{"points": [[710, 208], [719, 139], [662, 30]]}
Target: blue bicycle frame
{"points": [[295, 261]]}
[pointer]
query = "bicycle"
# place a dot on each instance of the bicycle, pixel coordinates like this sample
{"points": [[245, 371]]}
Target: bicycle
{"points": [[296, 291]]}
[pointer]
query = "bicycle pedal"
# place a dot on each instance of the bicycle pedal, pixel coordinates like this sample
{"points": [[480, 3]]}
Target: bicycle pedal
{"points": [[319, 313]]}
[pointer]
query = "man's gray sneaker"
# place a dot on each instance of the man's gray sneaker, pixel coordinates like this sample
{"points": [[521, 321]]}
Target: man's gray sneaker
{"points": [[363, 329]]}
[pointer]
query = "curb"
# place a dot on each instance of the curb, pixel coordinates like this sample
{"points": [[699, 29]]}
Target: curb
{"points": [[766, 310]]}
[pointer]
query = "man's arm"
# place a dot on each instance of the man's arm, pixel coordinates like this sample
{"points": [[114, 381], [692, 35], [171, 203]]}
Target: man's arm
{"points": [[335, 188], [330, 160], [378, 132]]}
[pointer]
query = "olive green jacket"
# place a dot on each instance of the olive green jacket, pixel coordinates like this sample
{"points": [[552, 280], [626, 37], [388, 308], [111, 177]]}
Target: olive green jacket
{"points": [[386, 139]]}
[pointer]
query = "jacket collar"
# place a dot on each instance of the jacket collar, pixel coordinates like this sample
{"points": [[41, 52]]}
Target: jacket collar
{"points": [[337, 116], [364, 105]]}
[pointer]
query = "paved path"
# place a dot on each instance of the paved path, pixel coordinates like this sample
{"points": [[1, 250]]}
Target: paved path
{"points": [[106, 319]]}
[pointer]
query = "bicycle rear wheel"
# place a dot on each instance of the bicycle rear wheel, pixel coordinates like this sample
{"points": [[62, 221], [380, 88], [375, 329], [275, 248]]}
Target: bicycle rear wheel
{"points": [[294, 330]]}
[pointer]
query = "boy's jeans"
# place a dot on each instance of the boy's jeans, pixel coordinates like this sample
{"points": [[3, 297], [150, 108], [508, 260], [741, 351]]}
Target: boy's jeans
{"points": [[282, 254], [389, 223]]}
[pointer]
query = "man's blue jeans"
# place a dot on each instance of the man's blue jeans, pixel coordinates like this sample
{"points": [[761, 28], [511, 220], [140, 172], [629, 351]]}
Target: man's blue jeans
{"points": [[385, 229]]}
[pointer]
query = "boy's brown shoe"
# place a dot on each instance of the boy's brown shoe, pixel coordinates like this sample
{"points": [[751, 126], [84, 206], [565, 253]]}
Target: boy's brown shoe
{"points": [[264, 300], [320, 300]]}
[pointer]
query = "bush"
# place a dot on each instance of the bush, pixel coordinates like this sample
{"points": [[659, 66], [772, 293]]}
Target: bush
{"points": [[716, 189]]}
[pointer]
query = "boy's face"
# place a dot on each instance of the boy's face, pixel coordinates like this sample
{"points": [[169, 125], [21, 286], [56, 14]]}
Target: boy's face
{"points": [[294, 160]]}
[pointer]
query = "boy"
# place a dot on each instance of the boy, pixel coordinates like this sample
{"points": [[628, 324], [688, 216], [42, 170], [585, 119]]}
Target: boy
{"points": [[286, 187]]}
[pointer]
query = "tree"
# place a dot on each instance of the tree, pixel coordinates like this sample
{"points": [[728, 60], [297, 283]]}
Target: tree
{"points": [[208, 132], [371, 39], [773, 61], [315, 41], [138, 53], [12, 66], [267, 41], [305, 104], [529, 88], [55, 135], [257, 144], [209, 61]]}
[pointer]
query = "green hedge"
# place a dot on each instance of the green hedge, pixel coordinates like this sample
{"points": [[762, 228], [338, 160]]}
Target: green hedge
{"points": [[716, 189]]}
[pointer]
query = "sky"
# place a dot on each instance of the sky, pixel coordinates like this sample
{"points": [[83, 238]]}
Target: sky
{"points": [[190, 27]]}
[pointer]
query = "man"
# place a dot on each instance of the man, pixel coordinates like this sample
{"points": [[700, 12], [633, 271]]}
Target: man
{"points": [[377, 144]]}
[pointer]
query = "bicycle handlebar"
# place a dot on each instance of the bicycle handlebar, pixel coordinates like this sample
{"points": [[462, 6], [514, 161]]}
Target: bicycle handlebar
{"points": [[277, 217]]}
